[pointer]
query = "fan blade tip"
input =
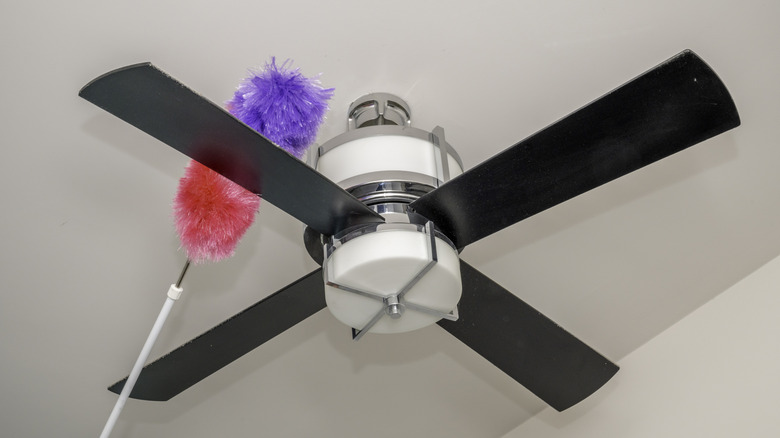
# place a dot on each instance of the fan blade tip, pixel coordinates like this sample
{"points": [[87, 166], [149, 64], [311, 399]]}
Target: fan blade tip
{"points": [[84, 92], [610, 370], [138, 393], [561, 403], [562, 406], [116, 388]]}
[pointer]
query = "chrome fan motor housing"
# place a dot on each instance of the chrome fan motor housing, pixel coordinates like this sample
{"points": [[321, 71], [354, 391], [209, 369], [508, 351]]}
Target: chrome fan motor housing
{"points": [[375, 274]]}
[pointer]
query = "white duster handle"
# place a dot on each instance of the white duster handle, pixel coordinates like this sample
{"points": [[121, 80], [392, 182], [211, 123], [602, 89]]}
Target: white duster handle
{"points": [[173, 294]]}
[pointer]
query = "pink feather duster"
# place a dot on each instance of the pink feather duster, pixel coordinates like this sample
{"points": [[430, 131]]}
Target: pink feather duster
{"points": [[211, 213]]}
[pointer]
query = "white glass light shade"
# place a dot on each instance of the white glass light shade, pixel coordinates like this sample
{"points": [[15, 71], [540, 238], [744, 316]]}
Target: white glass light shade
{"points": [[382, 263], [397, 153]]}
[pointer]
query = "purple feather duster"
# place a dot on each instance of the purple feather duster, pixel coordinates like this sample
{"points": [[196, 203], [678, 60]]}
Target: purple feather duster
{"points": [[283, 105]]}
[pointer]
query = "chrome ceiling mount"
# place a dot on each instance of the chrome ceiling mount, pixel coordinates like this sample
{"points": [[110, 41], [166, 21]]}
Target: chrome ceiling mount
{"points": [[378, 109]]}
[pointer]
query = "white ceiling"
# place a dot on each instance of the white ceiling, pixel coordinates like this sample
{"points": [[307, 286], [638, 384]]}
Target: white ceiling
{"points": [[89, 248]]}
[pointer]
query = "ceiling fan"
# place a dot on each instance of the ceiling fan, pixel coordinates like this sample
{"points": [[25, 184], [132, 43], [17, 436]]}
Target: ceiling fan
{"points": [[389, 207]]}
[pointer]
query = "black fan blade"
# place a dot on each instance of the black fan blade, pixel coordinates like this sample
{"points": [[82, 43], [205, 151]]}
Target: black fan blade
{"points": [[159, 105], [673, 106], [557, 367], [194, 361]]}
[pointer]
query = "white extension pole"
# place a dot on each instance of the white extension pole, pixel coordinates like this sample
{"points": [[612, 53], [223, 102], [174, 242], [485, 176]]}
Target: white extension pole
{"points": [[174, 292]]}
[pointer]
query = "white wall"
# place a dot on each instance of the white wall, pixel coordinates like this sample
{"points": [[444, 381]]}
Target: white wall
{"points": [[713, 374]]}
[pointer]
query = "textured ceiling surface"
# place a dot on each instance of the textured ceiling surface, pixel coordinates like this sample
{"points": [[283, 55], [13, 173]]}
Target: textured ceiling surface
{"points": [[88, 246]]}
